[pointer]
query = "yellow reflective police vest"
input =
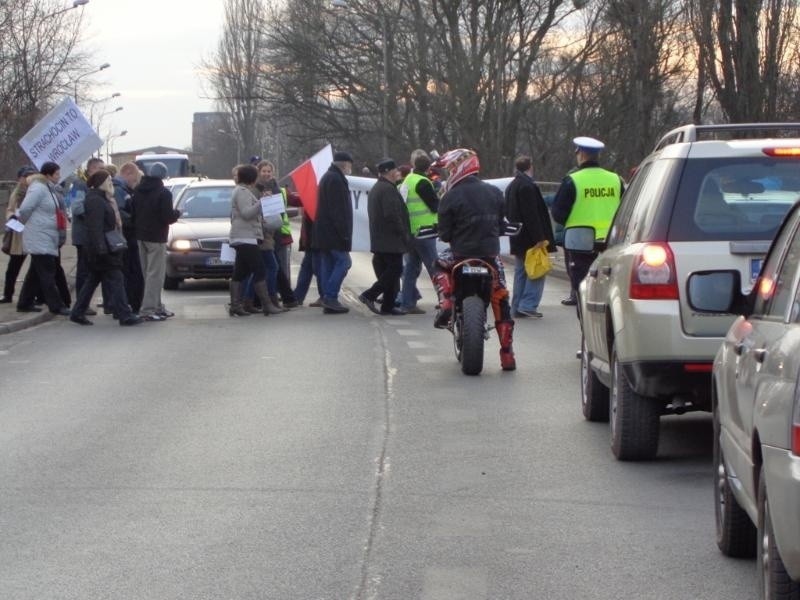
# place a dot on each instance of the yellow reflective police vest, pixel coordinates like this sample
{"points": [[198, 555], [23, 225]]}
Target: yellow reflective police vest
{"points": [[286, 228], [597, 194], [419, 215]]}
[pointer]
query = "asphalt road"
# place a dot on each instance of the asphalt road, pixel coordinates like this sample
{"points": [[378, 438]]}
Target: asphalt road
{"points": [[308, 456]]}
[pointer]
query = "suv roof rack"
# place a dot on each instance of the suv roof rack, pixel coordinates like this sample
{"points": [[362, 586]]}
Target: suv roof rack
{"points": [[693, 133]]}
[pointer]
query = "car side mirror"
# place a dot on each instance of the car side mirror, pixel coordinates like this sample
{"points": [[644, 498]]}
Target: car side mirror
{"points": [[715, 292], [579, 239]]}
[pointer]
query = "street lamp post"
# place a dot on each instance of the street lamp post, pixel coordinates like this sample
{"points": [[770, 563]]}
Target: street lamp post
{"points": [[238, 145], [110, 146], [82, 75], [75, 4]]}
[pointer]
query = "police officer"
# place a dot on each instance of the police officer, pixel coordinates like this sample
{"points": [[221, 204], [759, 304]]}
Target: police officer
{"points": [[588, 197]]}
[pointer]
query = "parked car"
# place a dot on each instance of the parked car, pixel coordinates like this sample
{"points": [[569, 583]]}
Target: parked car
{"points": [[176, 184], [194, 242], [708, 197], [756, 411]]}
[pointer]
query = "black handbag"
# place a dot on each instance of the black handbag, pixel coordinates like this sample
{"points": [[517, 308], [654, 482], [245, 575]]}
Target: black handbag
{"points": [[7, 237], [115, 241]]}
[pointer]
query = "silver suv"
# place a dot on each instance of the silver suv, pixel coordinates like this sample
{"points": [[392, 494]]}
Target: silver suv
{"points": [[707, 198]]}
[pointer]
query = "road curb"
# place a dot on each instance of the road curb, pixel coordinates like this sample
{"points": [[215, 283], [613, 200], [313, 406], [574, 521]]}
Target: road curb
{"points": [[20, 324]]}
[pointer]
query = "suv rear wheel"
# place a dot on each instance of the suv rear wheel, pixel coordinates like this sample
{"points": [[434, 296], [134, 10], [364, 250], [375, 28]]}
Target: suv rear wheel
{"points": [[594, 395], [634, 418]]}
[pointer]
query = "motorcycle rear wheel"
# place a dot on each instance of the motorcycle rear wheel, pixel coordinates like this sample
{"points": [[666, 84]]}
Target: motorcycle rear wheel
{"points": [[473, 329]]}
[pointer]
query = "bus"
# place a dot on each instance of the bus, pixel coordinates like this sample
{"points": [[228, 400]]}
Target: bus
{"points": [[177, 164]]}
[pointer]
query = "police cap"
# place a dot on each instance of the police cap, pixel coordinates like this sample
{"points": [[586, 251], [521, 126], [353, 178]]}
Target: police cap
{"points": [[587, 144]]}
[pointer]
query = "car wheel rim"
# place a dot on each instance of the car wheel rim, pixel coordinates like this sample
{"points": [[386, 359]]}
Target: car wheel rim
{"points": [[721, 482], [584, 372], [765, 553], [612, 405]]}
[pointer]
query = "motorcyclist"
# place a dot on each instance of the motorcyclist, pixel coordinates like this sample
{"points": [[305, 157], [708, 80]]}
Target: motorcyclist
{"points": [[471, 220]]}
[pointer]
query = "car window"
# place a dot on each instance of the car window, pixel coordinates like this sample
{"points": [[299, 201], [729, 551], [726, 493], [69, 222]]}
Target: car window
{"points": [[619, 227], [777, 280], [649, 200], [205, 203], [734, 198]]}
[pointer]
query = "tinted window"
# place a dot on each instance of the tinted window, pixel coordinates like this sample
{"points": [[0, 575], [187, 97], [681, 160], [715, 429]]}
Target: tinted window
{"points": [[176, 167], [619, 226], [205, 203], [649, 200], [734, 199]]}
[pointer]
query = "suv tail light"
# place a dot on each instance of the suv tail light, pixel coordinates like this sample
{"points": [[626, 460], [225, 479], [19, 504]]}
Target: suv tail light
{"points": [[653, 275], [782, 152]]}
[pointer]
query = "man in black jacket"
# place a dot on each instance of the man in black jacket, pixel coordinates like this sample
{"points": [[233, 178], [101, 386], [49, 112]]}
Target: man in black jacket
{"points": [[524, 204], [152, 214], [333, 231], [124, 185], [471, 220], [389, 235]]}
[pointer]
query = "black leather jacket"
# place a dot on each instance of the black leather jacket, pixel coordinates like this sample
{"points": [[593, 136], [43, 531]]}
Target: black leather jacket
{"points": [[471, 218]]}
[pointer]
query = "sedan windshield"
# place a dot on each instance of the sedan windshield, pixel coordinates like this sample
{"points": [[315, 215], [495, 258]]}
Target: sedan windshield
{"points": [[206, 203]]}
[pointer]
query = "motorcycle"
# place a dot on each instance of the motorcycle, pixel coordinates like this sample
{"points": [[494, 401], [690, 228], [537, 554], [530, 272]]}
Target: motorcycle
{"points": [[472, 283]]}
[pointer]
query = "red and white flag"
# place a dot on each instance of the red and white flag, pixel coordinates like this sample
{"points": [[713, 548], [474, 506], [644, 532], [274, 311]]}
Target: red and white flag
{"points": [[306, 178]]}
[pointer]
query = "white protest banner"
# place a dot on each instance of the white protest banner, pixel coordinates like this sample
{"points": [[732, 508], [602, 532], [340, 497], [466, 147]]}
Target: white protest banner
{"points": [[15, 225], [62, 136], [272, 205]]}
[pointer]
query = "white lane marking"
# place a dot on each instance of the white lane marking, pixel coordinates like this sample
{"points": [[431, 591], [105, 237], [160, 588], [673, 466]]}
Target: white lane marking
{"points": [[418, 345], [436, 358], [409, 332]]}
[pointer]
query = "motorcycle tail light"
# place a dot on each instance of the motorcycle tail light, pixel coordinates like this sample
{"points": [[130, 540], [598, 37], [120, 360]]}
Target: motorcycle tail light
{"points": [[653, 274]]}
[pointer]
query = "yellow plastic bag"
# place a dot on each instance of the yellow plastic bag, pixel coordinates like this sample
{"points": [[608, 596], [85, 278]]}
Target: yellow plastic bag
{"points": [[537, 262]]}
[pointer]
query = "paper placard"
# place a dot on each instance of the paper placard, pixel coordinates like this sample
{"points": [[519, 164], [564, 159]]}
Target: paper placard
{"points": [[15, 225], [272, 205], [226, 253]]}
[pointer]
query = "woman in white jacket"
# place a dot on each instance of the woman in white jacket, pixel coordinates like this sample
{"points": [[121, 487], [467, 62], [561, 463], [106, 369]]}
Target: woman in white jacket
{"points": [[246, 234], [43, 218]]}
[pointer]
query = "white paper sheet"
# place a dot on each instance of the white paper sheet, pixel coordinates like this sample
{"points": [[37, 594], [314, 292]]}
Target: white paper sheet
{"points": [[226, 253], [272, 205], [15, 225]]}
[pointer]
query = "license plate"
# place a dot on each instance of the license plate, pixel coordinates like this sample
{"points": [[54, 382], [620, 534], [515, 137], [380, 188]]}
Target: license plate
{"points": [[470, 270], [755, 268], [216, 261]]}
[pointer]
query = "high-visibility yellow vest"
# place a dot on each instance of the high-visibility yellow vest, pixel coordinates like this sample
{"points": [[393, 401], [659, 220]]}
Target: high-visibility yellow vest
{"points": [[286, 229], [419, 215], [597, 195]]}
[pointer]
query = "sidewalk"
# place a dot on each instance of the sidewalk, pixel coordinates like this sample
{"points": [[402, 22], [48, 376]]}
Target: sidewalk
{"points": [[11, 320]]}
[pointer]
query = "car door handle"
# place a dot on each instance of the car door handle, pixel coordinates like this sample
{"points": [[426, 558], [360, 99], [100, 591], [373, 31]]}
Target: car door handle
{"points": [[592, 272], [606, 271], [739, 348], [760, 354]]}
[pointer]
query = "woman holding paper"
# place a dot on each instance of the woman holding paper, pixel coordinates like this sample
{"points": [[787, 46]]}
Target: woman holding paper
{"points": [[246, 235]]}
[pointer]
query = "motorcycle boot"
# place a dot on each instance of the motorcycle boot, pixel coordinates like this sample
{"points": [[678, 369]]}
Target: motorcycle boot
{"points": [[505, 331], [235, 308], [444, 288]]}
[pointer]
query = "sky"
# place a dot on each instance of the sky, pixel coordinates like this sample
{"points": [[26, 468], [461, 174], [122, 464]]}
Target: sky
{"points": [[155, 48]]}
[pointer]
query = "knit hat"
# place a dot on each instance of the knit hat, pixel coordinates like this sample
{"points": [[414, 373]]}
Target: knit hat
{"points": [[386, 165], [342, 156]]}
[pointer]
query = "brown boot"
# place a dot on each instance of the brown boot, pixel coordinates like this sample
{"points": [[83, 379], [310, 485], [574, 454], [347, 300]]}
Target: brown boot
{"points": [[267, 307], [505, 331], [247, 304], [235, 309], [444, 288]]}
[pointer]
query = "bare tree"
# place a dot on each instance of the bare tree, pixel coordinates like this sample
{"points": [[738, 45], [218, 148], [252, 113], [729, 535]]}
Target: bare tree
{"points": [[39, 56]]}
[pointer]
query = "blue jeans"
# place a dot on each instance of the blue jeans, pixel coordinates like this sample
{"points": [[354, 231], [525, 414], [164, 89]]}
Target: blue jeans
{"points": [[308, 269], [271, 264], [421, 252], [527, 292], [334, 265]]}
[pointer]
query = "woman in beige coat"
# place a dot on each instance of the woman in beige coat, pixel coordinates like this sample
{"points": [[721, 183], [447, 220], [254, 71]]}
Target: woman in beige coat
{"points": [[17, 254], [245, 237]]}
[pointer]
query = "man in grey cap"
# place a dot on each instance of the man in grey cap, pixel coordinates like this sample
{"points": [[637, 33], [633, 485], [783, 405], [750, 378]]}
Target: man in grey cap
{"points": [[389, 235], [588, 197], [152, 214]]}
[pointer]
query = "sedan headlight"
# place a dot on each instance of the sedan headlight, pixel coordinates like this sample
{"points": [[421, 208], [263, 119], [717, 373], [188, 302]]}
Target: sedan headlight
{"points": [[180, 244]]}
